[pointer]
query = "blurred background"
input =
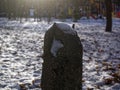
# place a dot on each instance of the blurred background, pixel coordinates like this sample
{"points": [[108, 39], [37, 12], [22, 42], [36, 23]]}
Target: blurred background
{"points": [[56, 8]]}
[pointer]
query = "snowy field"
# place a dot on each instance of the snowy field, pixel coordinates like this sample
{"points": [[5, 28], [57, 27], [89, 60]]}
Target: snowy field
{"points": [[21, 48]]}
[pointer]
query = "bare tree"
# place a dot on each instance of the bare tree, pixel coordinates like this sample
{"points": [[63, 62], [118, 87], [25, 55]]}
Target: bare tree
{"points": [[108, 15]]}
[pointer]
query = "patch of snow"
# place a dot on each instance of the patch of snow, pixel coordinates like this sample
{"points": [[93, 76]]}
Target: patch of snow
{"points": [[115, 87], [66, 28], [84, 18], [56, 45], [21, 47]]}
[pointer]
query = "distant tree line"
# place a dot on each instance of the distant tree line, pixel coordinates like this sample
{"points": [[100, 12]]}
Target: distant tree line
{"points": [[42, 8], [48, 8]]}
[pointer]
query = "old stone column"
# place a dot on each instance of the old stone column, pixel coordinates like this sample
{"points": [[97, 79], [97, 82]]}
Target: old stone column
{"points": [[62, 66]]}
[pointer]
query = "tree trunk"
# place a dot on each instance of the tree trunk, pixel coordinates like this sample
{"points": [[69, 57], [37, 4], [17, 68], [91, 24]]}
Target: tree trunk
{"points": [[108, 15]]}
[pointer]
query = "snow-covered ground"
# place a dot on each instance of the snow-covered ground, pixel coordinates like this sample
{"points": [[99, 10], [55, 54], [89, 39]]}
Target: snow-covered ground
{"points": [[21, 48]]}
